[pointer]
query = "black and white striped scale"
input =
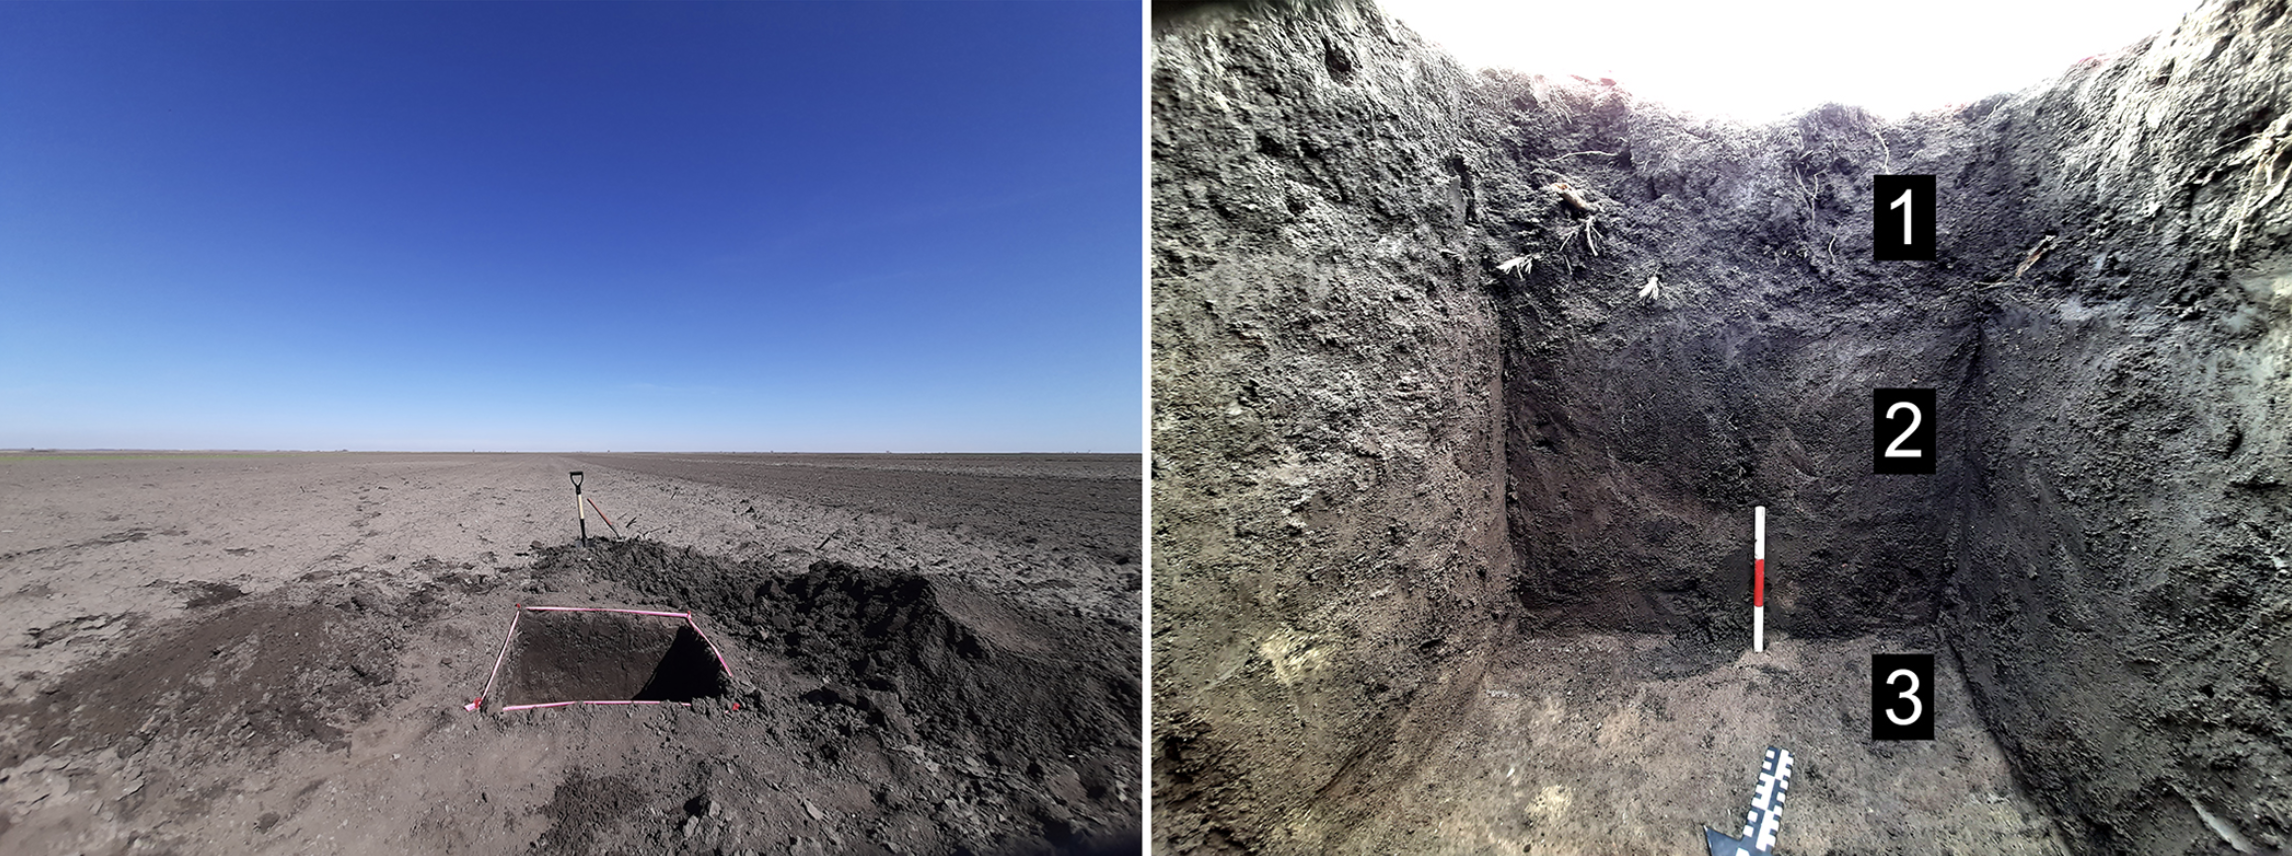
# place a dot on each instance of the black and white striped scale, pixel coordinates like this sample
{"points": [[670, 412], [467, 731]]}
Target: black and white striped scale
{"points": [[1758, 838]]}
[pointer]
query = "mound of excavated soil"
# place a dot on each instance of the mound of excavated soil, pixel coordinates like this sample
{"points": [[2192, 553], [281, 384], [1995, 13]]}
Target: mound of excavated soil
{"points": [[923, 661], [926, 659]]}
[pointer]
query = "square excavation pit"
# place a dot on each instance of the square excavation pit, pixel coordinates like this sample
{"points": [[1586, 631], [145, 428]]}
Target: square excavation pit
{"points": [[554, 656]]}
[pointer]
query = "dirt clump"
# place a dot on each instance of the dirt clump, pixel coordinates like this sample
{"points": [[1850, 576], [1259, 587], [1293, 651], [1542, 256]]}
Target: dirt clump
{"points": [[581, 805]]}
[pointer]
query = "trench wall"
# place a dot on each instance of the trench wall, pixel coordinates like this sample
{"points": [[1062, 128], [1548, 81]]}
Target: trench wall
{"points": [[1377, 454]]}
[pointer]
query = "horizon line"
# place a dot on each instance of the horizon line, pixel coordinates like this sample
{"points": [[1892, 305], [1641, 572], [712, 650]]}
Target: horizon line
{"points": [[23, 450]]}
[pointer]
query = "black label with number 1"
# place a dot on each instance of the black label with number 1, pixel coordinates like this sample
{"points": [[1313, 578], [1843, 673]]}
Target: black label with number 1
{"points": [[1904, 218], [1902, 431], [1901, 696]]}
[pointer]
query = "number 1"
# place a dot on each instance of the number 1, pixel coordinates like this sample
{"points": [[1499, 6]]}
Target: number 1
{"points": [[1904, 204]]}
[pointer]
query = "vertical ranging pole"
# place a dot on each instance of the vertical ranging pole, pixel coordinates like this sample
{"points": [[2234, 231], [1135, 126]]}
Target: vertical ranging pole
{"points": [[1759, 578], [577, 509]]}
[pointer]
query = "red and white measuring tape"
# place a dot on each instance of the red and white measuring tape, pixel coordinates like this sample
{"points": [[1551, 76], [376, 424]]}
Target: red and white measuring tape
{"points": [[1759, 578]]}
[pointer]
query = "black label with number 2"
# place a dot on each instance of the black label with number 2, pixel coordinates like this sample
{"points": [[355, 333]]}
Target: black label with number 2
{"points": [[1901, 696], [1902, 431]]}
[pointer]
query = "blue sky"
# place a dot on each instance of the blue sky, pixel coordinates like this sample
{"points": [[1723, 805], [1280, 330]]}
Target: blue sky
{"points": [[909, 227]]}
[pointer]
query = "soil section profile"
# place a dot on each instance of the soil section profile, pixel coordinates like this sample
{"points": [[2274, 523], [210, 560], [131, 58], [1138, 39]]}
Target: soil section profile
{"points": [[1451, 364]]}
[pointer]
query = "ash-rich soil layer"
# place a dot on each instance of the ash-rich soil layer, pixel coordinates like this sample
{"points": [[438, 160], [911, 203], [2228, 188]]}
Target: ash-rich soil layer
{"points": [[1385, 466], [270, 654]]}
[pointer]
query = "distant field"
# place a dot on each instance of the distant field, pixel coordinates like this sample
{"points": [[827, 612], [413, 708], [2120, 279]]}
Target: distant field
{"points": [[1087, 501], [49, 455]]}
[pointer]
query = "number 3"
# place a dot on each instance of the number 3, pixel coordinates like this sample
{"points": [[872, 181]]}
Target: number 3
{"points": [[1916, 710], [1891, 450]]}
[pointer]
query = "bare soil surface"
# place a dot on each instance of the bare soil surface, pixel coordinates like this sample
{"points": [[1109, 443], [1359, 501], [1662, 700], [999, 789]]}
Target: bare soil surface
{"points": [[1088, 503], [270, 654]]}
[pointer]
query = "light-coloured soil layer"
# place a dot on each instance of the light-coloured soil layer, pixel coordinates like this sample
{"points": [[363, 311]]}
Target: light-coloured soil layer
{"points": [[1581, 750]]}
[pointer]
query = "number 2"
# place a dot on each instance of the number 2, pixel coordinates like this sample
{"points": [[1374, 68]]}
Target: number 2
{"points": [[1916, 710], [1891, 448], [1904, 204]]}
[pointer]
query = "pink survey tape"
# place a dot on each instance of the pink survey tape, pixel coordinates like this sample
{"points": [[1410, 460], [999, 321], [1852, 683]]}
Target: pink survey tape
{"points": [[564, 703], [606, 609], [522, 609]]}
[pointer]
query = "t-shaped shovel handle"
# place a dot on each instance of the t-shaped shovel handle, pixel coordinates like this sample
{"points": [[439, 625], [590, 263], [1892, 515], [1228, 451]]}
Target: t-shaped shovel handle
{"points": [[582, 513]]}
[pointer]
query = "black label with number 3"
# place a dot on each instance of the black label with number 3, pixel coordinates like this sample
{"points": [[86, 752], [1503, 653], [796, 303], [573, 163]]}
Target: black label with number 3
{"points": [[1902, 431], [1901, 696]]}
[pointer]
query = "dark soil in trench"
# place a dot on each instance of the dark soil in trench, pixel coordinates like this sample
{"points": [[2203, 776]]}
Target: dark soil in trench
{"points": [[1386, 460], [607, 656]]}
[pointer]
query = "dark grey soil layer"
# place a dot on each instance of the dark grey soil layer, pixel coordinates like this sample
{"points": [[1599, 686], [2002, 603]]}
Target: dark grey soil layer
{"points": [[1378, 456]]}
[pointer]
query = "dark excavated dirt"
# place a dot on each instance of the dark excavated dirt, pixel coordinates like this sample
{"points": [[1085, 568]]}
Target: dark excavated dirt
{"points": [[930, 661], [981, 697], [196, 683], [1386, 468], [893, 659]]}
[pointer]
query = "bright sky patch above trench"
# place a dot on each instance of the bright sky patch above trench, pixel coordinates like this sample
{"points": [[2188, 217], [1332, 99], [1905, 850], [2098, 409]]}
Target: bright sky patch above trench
{"points": [[1758, 60]]}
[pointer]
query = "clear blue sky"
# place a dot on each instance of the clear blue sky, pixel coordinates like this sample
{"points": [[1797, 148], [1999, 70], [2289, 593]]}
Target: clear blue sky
{"points": [[881, 226]]}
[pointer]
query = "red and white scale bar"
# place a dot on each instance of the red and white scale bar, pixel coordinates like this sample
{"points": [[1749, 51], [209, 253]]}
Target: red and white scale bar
{"points": [[1759, 578]]}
